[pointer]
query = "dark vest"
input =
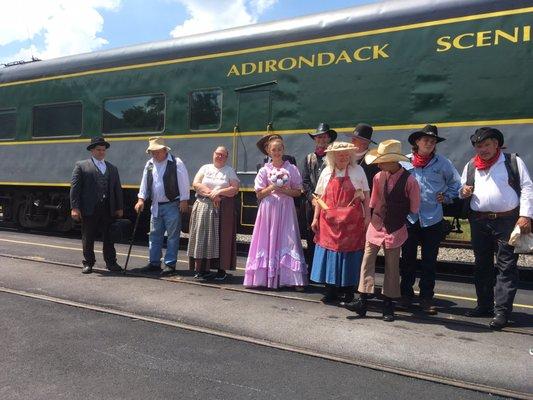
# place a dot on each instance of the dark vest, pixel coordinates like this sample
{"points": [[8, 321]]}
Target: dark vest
{"points": [[102, 184], [396, 205], [170, 180]]}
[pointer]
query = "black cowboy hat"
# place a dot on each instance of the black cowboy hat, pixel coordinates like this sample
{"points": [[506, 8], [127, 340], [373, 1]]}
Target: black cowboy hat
{"points": [[98, 141], [362, 131], [486, 133], [324, 128], [428, 130]]}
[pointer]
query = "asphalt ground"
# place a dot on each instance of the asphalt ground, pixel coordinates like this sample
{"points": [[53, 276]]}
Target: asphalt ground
{"points": [[454, 294], [447, 347], [53, 351]]}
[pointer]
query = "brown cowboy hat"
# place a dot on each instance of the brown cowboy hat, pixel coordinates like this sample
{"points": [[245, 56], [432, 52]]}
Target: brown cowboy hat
{"points": [[261, 143]]}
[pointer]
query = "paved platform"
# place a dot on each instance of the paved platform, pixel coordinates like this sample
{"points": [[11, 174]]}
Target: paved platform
{"points": [[447, 346]]}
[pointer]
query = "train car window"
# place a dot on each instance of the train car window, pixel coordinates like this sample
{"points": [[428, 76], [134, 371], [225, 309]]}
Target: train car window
{"points": [[134, 114], [62, 119], [8, 124], [205, 110]]}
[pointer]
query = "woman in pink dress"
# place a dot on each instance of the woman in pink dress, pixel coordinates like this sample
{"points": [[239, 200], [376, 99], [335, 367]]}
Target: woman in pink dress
{"points": [[276, 255]]}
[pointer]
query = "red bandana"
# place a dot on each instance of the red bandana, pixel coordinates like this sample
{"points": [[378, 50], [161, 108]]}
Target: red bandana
{"points": [[482, 165], [320, 151], [421, 161]]}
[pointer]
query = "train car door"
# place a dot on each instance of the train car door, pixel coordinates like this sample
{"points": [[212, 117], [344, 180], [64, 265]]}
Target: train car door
{"points": [[254, 118]]}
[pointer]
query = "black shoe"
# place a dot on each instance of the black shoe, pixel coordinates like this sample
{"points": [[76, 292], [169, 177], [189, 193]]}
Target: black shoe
{"points": [[114, 267], [346, 298], [220, 275], [479, 312], [87, 269], [498, 322], [428, 307], [150, 268], [168, 270], [201, 276], [329, 298], [359, 306], [388, 310]]}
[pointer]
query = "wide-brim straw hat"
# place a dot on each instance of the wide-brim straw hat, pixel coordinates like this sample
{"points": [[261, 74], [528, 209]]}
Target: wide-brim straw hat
{"points": [[340, 146], [156, 143], [387, 151], [261, 143]]}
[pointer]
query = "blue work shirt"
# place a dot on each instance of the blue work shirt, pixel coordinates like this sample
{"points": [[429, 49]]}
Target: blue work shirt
{"points": [[438, 176]]}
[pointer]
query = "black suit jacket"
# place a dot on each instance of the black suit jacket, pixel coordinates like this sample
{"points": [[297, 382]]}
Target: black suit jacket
{"points": [[83, 188]]}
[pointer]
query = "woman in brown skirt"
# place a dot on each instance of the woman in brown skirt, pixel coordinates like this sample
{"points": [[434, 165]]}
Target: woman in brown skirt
{"points": [[213, 213]]}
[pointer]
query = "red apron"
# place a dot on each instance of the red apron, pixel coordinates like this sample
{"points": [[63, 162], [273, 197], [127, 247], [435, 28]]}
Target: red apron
{"points": [[342, 227]]}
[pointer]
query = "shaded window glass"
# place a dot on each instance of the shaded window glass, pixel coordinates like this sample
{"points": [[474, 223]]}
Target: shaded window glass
{"points": [[205, 110], [134, 114], [8, 124], [57, 120]]}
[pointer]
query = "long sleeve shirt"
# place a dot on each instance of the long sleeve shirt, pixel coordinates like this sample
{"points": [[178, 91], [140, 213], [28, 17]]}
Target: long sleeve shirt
{"points": [[492, 192], [438, 176], [158, 187]]}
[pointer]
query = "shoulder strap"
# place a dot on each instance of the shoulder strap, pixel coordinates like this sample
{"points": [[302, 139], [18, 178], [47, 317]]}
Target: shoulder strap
{"points": [[511, 164]]}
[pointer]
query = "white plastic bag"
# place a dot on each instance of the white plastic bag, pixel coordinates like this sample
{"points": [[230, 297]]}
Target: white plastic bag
{"points": [[523, 244]]}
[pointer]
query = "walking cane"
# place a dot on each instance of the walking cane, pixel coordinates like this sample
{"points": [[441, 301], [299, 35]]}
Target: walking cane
{"points": [[131, 241]]}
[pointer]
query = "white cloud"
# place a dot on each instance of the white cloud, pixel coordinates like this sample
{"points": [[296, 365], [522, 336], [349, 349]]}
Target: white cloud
{"points": [[211, 15], [64, 26]]}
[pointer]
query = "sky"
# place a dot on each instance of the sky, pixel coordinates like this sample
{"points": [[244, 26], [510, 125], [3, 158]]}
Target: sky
{"points": [[48, 29]]}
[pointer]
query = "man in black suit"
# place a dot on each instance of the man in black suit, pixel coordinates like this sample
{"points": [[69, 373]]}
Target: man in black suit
{"points": [[95, 199]]}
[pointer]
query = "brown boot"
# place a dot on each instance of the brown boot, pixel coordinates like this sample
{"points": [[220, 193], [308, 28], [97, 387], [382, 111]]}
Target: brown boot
{"points": [[428, 307]]}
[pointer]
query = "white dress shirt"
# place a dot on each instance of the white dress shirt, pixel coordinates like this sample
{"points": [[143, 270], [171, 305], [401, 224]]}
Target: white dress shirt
{"points": [[492, 192], [100, 164], [158, 187]]}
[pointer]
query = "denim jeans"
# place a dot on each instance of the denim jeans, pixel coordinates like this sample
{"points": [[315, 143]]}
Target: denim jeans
{"points": [[168, 220], [429, 238], [494, 285]]}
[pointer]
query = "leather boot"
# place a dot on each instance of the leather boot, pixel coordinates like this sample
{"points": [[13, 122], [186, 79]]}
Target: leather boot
{"points": [[388, 310], [359, 305]]}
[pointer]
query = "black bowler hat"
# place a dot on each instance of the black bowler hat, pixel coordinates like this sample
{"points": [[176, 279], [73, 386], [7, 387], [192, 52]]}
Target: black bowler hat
{"points": [[98, 141], [324, 128], [486, 133], [362, 131], [428, 130]]}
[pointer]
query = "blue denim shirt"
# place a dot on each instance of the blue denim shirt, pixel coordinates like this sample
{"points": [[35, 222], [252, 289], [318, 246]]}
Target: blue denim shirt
{"points": [[439, 176]]}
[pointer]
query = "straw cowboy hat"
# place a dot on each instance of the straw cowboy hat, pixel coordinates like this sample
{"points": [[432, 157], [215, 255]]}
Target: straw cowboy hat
{"points": [[387, 151], [324, 128], [340, 146], [261, 143], [156, 143]]}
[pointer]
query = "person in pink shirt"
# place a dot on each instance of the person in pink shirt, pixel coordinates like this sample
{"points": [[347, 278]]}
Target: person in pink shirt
{"points": [[395, 194]]}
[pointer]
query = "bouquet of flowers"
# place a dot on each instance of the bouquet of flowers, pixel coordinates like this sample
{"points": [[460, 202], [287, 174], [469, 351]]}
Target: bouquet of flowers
{"points": [[279, 178]]}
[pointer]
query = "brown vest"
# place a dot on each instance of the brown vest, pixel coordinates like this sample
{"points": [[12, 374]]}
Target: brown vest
{"points": [[396, 205]]}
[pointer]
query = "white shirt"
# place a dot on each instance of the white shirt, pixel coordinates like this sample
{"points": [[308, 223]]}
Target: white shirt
{"points": [[355, 172], [216, 178], [492, 192], [100, 164], [158, 187]]}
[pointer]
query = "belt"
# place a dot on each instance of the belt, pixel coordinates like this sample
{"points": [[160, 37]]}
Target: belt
{"points": [[494, 215], [167, 202]]}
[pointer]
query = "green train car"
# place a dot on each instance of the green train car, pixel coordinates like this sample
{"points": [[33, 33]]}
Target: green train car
{"points": [[396, 65]]}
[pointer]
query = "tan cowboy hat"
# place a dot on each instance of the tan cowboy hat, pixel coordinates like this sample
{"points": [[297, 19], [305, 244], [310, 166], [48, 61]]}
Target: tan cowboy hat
{"points": [[261, 143], [387, 151], [156, 143], [340, 146]]}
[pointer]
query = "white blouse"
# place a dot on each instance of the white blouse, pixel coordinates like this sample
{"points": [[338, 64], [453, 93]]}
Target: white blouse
{"points": [[355, 172], [215, 178]]}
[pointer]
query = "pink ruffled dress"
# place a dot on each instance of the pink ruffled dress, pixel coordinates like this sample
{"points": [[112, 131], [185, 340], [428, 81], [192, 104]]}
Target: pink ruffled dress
{"points": [[276, 255]]}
